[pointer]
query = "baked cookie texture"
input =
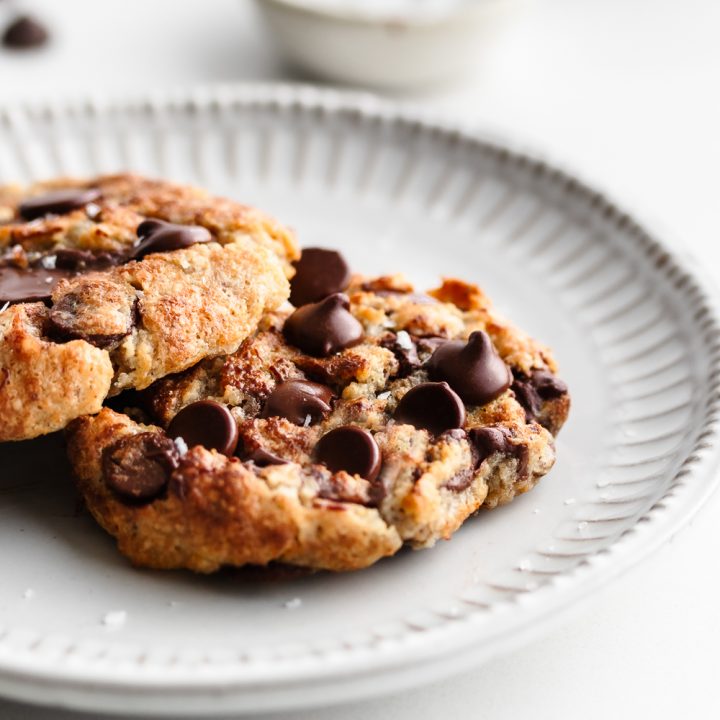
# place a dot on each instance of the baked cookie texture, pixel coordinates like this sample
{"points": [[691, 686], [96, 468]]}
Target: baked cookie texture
{"points": [[117, 313], [279, 497]]}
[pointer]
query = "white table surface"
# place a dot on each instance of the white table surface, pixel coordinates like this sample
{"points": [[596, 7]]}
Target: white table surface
{"points": [[626, 93]]}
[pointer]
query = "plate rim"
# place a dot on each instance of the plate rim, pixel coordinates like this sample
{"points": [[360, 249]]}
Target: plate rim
{"points": [[631, 547]]}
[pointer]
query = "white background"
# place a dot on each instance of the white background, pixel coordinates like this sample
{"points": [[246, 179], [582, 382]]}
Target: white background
{"points": [[627, 93]]}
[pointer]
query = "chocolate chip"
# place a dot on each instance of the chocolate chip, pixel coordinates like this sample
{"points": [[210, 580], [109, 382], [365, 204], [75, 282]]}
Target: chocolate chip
{"points": [[473, 369], [530, 391], [160, 236], [57, 202], [138, 467], [296, 400], [352, 449], [323, 328], [488, 441], [30, 284], [263, 458], [547, 385], [24, 32], [319, 273], [527, 395], [97, 310], [84, 260], [405, 351], [431, 406], [206, 423]]}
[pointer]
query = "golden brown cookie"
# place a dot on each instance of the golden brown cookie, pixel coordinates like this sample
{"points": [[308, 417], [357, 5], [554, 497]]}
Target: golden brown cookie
{"points": [[335, 434], [114, 282]]}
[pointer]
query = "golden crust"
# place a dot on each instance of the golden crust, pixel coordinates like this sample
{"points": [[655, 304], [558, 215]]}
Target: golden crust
{"points": [[140, 321], [218, 511], [43, 384], [299, 512], [128, 199]]}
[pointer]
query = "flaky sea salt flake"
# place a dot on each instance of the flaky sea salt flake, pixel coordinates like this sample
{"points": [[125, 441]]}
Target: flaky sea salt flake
{"points": [[403, 340]]}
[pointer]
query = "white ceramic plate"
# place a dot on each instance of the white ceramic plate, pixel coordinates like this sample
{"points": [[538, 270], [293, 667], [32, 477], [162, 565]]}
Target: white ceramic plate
{"points": [[635, 334]]}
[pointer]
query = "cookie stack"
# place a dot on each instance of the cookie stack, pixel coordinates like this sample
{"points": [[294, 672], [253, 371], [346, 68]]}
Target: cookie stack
{"points": [[229, 401]]}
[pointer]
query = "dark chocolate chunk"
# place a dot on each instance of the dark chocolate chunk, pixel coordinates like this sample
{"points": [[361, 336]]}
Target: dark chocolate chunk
{"points": [[319, 273], [488, 441], [160, 236], [206, 423], [84, 260], [138, 467], [57, 202], [352, 449], [431, 406], [24, 32], [474, 369], [296, 400], [30, 284], [323, 328]]}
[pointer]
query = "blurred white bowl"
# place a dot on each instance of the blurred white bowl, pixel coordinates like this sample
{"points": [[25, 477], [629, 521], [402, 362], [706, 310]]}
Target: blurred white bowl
{"points": [[401, 43]]}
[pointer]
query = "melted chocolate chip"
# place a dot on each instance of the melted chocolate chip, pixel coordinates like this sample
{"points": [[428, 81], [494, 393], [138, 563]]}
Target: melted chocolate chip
{"points": [[263, 458], [332, 486], [405, 352], [138, 467], [57, 202], [296, 400], [431, 406], [547, 385], [206, 423], [488, 441], [473, 369], [84, 260], [30, 284], [530, 391], [160, 236], [24, 32], [352, 449], [319, 273], [323, 328]]}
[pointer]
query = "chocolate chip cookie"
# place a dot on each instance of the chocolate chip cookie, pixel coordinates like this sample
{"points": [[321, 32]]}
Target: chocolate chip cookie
{"points": [[369, 417], [112, 283]]}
